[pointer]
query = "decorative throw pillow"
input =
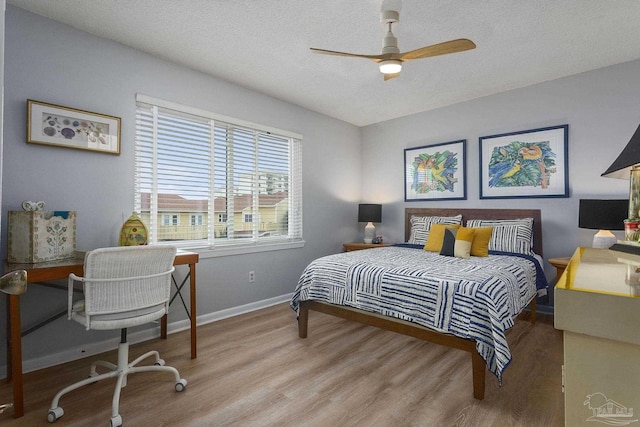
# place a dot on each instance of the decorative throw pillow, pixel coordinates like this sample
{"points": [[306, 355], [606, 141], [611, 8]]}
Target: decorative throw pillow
{"points": [[509, 235], [481, 238], [457, 242], [436, 236], [464, 241], [420, 226], [449, 242]]}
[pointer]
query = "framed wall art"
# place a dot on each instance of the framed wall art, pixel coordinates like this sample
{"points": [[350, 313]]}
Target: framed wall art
{"points": [[51, 124], [531, 163], [435, 172]]}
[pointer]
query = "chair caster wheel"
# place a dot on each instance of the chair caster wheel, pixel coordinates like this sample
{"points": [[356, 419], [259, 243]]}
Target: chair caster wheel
{"points": [[116, 421], [181, 385], [160, 362], [54, 414]]}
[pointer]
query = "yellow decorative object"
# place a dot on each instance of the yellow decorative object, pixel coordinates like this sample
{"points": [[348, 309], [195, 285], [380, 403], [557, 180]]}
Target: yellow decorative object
{"points": [[133, 232]]}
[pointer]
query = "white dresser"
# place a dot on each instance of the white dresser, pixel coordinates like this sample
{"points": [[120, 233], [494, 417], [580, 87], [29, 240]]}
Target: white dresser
{"points": [[597, 305]]}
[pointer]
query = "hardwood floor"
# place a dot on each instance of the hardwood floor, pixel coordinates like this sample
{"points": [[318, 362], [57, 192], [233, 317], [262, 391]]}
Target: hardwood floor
{"points": [[253, 370]]}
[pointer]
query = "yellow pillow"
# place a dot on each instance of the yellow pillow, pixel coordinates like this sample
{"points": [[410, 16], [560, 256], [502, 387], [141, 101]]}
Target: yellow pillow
{"points": [[436, 236], [481, 238], [464, 242]]}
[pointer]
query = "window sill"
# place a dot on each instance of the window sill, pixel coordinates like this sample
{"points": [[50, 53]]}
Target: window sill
{"points": [[240, 249]]}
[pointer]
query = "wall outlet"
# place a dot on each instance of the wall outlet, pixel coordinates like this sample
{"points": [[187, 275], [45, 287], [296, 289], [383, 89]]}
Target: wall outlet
{"points": [[252, 276]]}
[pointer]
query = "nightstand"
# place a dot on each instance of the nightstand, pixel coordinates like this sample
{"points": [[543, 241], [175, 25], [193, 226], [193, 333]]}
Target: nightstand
{"points": [[355, 246], [560, 264]]}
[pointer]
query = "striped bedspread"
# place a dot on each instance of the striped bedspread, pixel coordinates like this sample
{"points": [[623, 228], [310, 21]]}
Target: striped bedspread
{"points": [[476, 298]]}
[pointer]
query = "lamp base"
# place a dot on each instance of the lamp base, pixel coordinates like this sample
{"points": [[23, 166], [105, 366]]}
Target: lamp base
{"points": [[603, 239], [369, 233]]}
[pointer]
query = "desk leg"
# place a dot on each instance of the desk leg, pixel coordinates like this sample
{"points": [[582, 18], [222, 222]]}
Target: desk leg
{"points": [[8, 324], [15, 345], [192, 302]]}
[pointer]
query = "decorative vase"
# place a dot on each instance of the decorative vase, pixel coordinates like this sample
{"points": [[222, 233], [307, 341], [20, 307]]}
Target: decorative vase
{"points": [[133, 232], [632, 230], [634, 194]]}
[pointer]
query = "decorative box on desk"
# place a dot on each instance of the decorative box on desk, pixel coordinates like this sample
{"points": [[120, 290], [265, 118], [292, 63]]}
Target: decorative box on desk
{"points": [[38, 236]]}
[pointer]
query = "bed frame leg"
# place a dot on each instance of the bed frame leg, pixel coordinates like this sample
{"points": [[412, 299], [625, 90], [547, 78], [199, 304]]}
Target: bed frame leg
{"points": [[532, 307], [478, 367], [303, 320]]}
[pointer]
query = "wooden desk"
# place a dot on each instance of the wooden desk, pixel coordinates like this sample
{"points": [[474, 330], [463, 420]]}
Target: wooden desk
{"points": [[57, 270], [597, 306]]}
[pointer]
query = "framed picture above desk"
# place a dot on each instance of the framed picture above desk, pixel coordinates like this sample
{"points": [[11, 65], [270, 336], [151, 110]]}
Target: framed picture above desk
{"points": [[59, 270]]}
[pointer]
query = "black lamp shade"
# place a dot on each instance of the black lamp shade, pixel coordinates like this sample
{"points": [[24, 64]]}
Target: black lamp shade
{"points": [[599, 214], [629, 157], [369, 213]]}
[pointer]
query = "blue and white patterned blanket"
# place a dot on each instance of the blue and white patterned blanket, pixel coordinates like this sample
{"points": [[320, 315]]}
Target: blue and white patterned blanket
{"points": [[476, 299]]}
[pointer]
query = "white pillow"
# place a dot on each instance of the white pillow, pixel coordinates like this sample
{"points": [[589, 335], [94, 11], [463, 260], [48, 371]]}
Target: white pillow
{"points": [[509, 235], [420, 226]]}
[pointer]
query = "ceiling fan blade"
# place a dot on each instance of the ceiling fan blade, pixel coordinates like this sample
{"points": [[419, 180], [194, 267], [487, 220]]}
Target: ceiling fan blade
{"points": [[391, 76], [444, 48], [355, 55]]}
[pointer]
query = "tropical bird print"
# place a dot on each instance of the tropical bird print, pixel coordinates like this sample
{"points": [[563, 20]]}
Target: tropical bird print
{"points": [[533, 152], [536, 154], [434, 172], [502, 170]]}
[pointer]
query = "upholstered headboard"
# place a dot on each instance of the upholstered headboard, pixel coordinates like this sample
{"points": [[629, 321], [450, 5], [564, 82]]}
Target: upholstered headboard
{"points": [[468, 214]]}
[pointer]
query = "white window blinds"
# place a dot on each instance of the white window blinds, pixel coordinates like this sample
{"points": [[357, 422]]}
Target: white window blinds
{"points": [[191, 164]]}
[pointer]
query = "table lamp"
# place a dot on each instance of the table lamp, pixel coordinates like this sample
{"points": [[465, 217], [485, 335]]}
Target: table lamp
{"points": [[603, 215], [369, 213], [627, 166]]}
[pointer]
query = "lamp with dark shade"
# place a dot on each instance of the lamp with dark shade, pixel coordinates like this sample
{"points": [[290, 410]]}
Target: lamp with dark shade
{"points": [[369, 213], [603, 215], [627, 166]]}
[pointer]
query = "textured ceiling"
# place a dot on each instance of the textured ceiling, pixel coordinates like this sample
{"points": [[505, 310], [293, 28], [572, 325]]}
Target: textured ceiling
{"points": [[264, 45]]}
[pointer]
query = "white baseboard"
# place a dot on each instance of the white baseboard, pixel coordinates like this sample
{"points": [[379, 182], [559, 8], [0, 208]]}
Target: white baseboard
{"points": [[29, 365]]}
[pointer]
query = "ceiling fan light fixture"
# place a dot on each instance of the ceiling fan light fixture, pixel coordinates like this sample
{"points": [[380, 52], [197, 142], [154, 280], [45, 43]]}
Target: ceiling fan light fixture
{"points": [[390, 66]]}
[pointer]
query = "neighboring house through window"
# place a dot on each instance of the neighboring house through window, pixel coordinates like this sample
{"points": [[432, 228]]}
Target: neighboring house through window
{"points": [[195, 219], [230, 182], [170, 220]]}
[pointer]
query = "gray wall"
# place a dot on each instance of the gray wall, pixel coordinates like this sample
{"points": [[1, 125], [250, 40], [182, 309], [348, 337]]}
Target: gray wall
{"points": [[51, 62], [601, 108]]}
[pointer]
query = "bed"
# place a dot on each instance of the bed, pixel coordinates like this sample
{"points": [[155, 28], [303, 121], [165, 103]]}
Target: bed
{"points": [[466, 304]]}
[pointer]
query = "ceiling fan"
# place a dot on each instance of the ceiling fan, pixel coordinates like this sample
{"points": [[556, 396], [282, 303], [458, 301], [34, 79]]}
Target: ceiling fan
{"points": [[391, 59]]}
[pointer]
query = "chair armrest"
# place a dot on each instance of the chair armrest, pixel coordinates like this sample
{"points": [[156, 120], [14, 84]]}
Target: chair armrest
{"points": [[72, 279]]}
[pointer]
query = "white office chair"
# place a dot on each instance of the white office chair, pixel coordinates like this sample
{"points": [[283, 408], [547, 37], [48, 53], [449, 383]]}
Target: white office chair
{"points": [[123, 287]]}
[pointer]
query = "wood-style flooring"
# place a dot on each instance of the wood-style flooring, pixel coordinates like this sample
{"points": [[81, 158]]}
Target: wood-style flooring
{"points": [[253, 370]]}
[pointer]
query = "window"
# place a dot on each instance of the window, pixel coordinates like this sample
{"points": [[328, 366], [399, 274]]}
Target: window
{"points": [[195, 219], [236, 183], [170, 220]]}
